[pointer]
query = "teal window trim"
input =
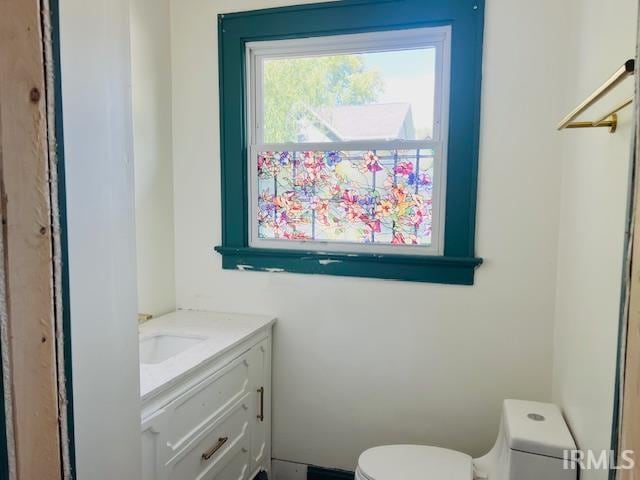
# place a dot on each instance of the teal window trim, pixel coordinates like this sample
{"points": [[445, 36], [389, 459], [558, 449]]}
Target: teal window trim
{"points": [[466, 18]]}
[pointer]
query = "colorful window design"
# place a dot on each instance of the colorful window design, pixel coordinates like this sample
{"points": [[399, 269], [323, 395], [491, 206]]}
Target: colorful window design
{"points": [[382, 197]]}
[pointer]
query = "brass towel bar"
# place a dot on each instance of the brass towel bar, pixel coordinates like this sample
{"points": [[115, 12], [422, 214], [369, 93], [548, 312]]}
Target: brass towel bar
{"points": [[610, 119]]}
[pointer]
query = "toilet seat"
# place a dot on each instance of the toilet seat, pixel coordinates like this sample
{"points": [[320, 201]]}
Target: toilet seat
{"points": [[413, 462]]}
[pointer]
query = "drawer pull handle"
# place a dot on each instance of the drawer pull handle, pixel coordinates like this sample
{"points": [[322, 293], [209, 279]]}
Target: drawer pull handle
{"points": [[211, 452], [261, 413]]}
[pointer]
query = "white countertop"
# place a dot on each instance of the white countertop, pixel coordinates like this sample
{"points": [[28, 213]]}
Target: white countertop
{"points": [[223, 331]]}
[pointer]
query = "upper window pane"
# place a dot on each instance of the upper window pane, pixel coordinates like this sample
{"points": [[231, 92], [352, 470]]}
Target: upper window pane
{"points": [[386, 95]]}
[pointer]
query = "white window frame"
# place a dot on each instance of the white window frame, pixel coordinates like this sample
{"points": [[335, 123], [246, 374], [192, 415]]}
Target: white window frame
{"points": [[256, 52]]}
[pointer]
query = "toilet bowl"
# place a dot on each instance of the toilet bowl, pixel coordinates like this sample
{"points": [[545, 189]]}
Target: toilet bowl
{"points": [[413, 461], [532, 443]]}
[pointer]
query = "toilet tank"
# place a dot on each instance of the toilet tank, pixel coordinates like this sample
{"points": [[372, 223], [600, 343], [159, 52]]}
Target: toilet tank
{"points": [[531, 445]]}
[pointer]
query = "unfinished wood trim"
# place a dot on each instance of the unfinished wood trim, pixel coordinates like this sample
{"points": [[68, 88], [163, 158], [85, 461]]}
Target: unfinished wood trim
{"points": [[50, 32], [630, 413], [629, 438], [629, 434], [27, 239]]}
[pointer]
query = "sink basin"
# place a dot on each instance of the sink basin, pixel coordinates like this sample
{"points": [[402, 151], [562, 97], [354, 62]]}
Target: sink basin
{"points": [[161, 347]]}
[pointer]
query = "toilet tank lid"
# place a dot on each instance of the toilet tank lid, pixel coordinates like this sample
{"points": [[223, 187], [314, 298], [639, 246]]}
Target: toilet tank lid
{"points": [[536, 427]]}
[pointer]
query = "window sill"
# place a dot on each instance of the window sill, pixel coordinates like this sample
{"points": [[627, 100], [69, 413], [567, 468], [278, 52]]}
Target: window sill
{"points": [[432, 269]]}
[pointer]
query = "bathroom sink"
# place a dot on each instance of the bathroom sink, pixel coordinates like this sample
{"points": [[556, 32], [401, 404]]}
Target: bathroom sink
{"points": [[161, 347]]}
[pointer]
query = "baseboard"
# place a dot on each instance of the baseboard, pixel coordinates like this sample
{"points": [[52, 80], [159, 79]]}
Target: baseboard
{"points": [[285, 470], [319, 473]]}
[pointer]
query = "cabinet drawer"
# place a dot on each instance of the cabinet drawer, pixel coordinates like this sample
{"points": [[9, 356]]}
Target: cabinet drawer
{"points": [[201, 405], [226, 445], [236, 468]]}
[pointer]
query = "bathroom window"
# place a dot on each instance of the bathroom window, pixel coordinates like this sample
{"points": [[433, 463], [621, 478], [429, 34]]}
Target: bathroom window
{"points": [[349, 139]]}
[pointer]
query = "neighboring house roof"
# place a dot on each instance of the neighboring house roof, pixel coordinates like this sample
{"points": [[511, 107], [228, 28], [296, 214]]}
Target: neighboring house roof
{"points": [[381, 121]]}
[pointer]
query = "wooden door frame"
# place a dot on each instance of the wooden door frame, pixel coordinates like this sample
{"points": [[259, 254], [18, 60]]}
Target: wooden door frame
{"points": [[32, 344], [626, 426]]}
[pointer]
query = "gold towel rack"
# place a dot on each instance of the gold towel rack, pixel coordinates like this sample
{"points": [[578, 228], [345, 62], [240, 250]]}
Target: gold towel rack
{"points": [[610, 119]]}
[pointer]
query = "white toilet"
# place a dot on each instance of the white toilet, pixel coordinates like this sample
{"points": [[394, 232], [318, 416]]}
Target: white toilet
{"points": [[531, 445]]}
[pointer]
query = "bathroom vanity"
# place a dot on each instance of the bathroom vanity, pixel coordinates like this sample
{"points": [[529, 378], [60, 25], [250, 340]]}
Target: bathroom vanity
{"points": [[205, 384]]}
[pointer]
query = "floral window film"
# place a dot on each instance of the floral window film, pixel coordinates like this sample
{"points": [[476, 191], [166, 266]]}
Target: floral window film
{"points": [[382, 197]]}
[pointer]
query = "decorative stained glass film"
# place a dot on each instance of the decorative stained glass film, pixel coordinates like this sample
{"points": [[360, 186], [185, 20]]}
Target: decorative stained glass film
{"points": [[382, 197]]}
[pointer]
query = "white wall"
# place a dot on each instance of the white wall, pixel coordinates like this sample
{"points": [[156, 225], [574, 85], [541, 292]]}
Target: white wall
{"points": [[100, 207], [362, 362], [151, 91], [592, 222]]}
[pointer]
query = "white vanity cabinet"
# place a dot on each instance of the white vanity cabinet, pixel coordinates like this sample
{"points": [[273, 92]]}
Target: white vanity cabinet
{"points": [[213, 422]]}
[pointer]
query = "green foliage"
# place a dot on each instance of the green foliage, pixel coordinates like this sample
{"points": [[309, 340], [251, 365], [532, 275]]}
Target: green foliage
{"points": [[291, 86]]}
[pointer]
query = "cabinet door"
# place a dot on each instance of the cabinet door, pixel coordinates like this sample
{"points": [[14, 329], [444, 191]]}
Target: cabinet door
{"points": [[153, 438], [260, 379]]}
